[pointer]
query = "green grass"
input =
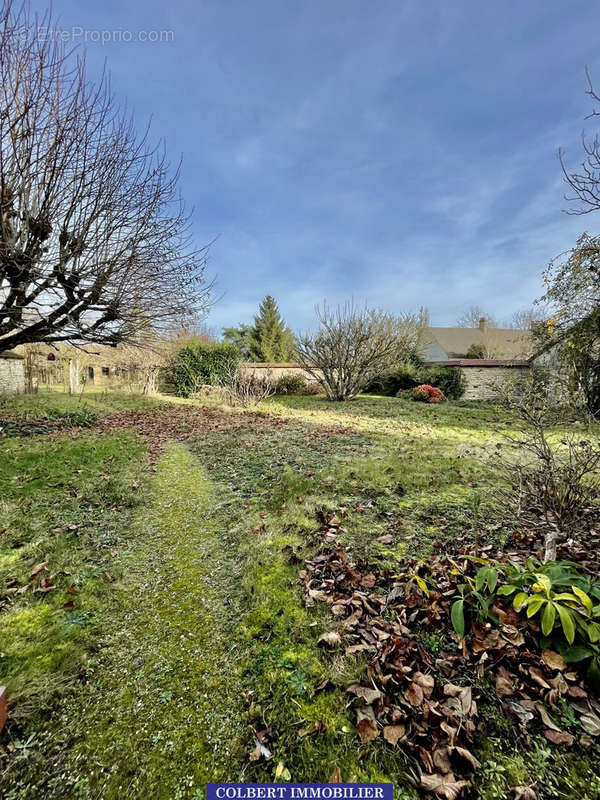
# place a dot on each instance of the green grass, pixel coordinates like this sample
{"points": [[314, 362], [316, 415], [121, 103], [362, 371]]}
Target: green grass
{"points": [[62, 501], [157, 680], [48, 406]]}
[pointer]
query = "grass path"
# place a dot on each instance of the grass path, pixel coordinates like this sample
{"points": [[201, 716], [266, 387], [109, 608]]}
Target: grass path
{"points": [[159, 713]]}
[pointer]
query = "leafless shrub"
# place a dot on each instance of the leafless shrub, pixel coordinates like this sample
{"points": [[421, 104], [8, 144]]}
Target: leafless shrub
{"points": [[94, 241], [352, 346], [547, 474], [244, 388]]}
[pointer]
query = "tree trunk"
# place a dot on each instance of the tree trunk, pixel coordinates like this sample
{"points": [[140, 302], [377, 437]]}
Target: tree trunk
{"points": [[73, 376]]}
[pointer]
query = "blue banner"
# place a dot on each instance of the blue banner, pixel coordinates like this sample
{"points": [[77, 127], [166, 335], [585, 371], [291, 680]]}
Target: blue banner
{"points": [[299, 791]]}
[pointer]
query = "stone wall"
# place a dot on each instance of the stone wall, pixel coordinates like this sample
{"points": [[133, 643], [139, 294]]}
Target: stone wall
{"points": [[274, 371], [483, 382], [12, 374]]}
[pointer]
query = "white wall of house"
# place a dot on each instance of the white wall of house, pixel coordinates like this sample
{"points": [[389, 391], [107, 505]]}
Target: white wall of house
{"points": [[12, 375]]}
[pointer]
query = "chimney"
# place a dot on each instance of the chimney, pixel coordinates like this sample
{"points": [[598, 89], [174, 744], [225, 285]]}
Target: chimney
{"points": [[483, 324]]}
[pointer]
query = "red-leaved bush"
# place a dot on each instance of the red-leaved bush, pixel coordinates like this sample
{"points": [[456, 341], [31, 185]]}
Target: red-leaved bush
{"points": [[428, 394]]}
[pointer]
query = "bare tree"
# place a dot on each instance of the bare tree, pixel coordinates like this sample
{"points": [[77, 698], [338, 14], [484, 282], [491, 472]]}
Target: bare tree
{"points": [[352, 346], [94, 240], [243, 387], [585, 183], [527, 318], [548, 470], [471, 317]]}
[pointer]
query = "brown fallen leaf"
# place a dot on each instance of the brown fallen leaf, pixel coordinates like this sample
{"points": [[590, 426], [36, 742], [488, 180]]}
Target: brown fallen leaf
{"points": [[69, 605], [460, 699], [37, 569], [443, 785], [367, 729], [590, 723], [504, 684], [330, 639], [393, 733], [467, 755], [415, 695], [426, 682], [368, 581], [368, 695], [553, 660], [545, 715], [558, 737], [426, 760], [358, 648], [441, 760], [336, 775], [524, 793], [317, 727], [538, 677], [512, 635]]}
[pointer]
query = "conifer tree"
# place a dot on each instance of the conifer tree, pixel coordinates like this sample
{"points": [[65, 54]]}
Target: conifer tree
{"points": [[270, 338]]}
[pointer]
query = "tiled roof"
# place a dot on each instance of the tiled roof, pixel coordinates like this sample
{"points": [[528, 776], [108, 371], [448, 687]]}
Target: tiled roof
{"points": [[500, 342], [480, 362]]}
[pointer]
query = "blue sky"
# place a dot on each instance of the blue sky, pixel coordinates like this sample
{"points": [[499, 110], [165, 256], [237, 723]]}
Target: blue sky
{"points": [[401, 153]]}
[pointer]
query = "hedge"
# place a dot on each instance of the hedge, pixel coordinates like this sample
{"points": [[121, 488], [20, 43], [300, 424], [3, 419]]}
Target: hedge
{"points": [[201, 363], [450, 380]]}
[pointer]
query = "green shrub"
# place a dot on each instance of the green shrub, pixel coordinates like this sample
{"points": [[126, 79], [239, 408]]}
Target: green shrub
{"points": [[450, 380], [477, 350], [201, 363], [398, 379], [292, 384], [564, 602]]}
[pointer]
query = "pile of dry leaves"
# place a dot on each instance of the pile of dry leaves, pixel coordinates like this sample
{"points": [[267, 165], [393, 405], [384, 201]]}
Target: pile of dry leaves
{"points": [[426, 703]]}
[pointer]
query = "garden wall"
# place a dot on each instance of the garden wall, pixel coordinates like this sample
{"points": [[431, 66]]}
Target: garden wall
{"points": [[482, 375], [485, 375], [12, 374], [274, 371]]}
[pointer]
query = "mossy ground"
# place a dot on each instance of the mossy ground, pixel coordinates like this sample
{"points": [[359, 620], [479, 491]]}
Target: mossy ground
{"points": [[201, 635]]}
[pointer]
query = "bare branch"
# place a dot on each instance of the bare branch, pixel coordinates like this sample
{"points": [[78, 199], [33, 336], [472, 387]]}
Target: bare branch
{"points": [[352, 346], [94, 240]]}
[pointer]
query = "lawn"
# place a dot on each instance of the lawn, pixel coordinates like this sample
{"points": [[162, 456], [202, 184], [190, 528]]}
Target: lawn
{"points": [[154, 628]]}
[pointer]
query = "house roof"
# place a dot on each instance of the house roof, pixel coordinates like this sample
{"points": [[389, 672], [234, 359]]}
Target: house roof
{"points": [[501, 343], [480, 362]]}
